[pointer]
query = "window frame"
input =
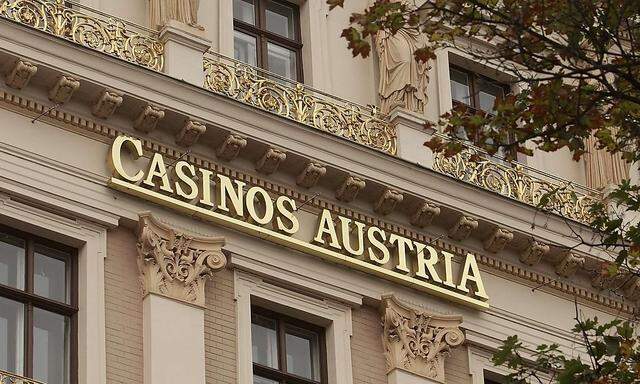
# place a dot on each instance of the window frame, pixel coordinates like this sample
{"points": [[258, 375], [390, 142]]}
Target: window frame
{"points": [[263, 36], [280, 375], [30, 300], [474, 80]]}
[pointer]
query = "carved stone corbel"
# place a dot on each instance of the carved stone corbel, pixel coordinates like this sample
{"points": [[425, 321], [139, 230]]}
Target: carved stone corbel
{"points": [[425, 214], [499, 239], [569, 264], [463, 227], [311, 174], [388, 201], [269, 162], [416, 341], [106, 104], [148, 118], [174, 264], [231, 147], [534, 252], [63, 89], [350, 188], [20, 75], [190, 133]]}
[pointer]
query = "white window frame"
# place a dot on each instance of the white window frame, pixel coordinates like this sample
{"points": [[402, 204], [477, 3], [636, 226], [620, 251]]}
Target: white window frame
{"points": [[333, 316]]}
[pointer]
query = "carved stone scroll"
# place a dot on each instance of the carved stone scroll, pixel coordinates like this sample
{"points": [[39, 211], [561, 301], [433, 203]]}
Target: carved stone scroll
{"points": [[425, 214], [463, 228], [350, 188], [63, 89], [270, 160], [174, 264], [231, 147], [388, 201], [311, 174], [534, 252], [148, 118], [569, 264], [20, 75], [190, 133], [416, 341], [499, 239], [106, 104]]}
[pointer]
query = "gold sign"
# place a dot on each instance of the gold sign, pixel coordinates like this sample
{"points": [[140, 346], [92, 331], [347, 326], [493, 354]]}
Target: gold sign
{"points": [[229, 202]]}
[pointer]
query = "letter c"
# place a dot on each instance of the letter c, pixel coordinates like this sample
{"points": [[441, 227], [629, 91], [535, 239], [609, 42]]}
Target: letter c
{"points": [[115, 161]]}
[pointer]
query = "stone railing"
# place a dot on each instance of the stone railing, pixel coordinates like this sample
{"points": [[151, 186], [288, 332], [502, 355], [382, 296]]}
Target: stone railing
{"points": [[89, 28], [519, 182], [277, 95], [10, 378]]}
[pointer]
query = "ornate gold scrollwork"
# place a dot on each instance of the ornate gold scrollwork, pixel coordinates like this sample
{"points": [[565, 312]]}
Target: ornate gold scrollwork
{"points": [[518, 183], [10, 378], [109, 35], [294, 101]]}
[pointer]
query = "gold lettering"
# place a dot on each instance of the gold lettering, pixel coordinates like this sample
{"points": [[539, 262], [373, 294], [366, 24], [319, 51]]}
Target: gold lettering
{"points": [[287, 213], [225, 189], [183, 178], [205, 197], [251, 205], [379, 244], [470, 272], [427, 264], [134, 146], [402, 244], [326, 227], [345, 225], [448, 269], [158, 169]]}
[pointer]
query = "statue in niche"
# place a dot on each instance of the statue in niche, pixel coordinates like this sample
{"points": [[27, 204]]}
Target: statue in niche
{"points": [[185, 11], [403, 80]]}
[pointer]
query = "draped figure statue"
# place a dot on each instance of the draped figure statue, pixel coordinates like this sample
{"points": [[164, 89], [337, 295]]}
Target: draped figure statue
{"points": [[185, 11], [603, 168], [403, 80]]}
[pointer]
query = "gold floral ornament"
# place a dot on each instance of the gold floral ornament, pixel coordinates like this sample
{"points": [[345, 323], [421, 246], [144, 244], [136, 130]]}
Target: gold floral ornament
{"points": [[250, 85], [11, 378], [174, 264], [88, 28], [519, 183], [417, 342]]}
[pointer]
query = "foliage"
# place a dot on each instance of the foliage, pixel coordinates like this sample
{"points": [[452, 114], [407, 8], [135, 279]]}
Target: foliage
{"points": [[577, 66]]}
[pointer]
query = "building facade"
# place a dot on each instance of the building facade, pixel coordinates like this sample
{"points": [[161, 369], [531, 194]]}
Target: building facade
{"points": [[216, 192]]}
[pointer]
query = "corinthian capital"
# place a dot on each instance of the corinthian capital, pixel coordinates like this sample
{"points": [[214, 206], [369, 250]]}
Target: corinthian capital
{"points": [[174, 264], [418, 342]]}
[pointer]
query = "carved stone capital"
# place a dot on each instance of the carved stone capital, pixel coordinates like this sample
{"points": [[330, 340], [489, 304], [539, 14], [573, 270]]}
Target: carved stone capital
{"points": [[148, 118], [190, 133], [63, 89], [425, 214], [498, 239], [350, 188], [269, 162], [106, 104], [20, 75], [231, 147], [174, 264], [388, 201], [534, 252], [416, 341], [311, 174], [569, 264], [463, 228]]}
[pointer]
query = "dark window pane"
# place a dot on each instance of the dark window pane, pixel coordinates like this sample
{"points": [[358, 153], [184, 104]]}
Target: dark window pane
{"points": [[264, 341], [12, 261], [460, 89], [50, 347], [302, 353], [11, 336], [280, 19], [244, 48], [488, 93], [50, 274], [244, 10], [282, 61], [262, 380]]}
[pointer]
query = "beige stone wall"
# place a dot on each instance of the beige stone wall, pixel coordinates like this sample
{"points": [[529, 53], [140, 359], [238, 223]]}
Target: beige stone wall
{"points": [[123, 306], [456, 366], [366, 347], [220, 330]]}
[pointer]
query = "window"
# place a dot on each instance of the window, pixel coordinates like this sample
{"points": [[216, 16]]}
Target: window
{"points": [[477, 92], [37, 308], [267, 35], [286, 350]]}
